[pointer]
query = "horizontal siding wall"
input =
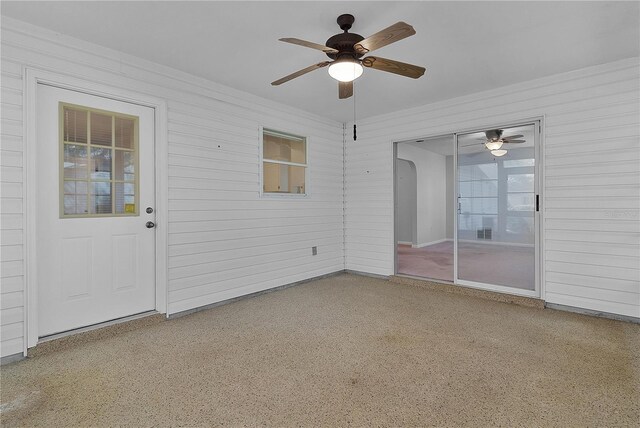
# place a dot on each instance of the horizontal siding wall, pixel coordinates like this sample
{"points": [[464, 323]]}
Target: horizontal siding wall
{"points": [[11, 212], [591, 196], [224, 240]]}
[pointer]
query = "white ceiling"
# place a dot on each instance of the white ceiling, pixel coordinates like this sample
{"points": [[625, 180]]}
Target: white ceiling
{"points": [[467, 47]]}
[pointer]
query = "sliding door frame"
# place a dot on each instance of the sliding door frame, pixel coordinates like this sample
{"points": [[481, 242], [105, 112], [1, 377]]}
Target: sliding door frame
{"points": [[538, 122]]}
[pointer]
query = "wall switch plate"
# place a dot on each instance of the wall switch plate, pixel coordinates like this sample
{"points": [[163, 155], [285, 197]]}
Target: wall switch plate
{"points": [[314, 251]]}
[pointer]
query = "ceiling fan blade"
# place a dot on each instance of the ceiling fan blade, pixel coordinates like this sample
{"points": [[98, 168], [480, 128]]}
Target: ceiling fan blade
{"points": [[392, 66], [511, 137], [345, 90], [397, 31], [514, 141], [323, 48], [300, 72]]}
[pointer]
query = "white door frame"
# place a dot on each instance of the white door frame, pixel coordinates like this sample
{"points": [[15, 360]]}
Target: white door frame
{"points": [[34, 77]]}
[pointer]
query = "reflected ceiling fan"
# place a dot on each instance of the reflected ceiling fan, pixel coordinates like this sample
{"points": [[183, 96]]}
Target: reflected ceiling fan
{"points": [[347, 51], [494, 141]]}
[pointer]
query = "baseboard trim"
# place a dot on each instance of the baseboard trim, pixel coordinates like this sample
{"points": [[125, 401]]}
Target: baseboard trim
{"points": [[491, 242], [251, 295], [8, 359], [370, 275], [104, 330], [427, 244], [593, 313]]}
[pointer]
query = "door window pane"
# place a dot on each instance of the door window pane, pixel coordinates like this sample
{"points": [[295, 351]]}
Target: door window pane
{"points": [[125, 167], [100, 163], [75, 161], [75, 197], [101, 129], [100, 198], [124, 198], [125, 132], [99, 174], [74, 123]]}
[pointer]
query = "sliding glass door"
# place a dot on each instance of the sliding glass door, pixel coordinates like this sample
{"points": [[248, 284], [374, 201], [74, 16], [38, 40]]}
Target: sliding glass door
{"points": [[496, 208]]}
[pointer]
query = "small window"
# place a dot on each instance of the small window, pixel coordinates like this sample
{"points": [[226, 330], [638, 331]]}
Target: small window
{"points": [[284, 163], [99, 163]]}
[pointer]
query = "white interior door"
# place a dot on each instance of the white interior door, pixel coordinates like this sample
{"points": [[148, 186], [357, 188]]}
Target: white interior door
{"points": [[95, 197]]}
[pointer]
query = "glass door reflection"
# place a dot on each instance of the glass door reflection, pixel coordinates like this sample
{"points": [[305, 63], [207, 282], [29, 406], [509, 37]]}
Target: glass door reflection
{"points": [[496, 207]]}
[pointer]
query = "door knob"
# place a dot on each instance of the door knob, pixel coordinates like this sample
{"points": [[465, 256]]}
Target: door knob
{"points": [[150, 225]]}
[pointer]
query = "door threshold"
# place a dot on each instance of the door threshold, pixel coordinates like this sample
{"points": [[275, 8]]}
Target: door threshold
{"points": [[424, 278], [75, 337], [470, 291]]}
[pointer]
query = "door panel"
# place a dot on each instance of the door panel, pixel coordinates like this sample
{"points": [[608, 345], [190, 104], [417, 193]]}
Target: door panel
{"points": [[95, 178], [496, 238]]}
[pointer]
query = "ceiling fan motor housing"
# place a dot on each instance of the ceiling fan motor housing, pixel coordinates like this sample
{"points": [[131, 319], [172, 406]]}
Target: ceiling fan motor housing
{"points": [[494, 134], [344, 42]]}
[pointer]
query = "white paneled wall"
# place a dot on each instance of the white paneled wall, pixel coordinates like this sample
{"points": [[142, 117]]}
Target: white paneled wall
{"points": [[224, 240], [591, 198]]}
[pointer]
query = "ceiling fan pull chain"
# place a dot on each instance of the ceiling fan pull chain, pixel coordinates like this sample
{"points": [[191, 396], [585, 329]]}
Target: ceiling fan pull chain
{"points": [[354, 111]]}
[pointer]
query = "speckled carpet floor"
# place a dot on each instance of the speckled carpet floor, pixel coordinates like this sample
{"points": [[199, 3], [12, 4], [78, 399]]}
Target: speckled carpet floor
{"points": [[345, 350]]}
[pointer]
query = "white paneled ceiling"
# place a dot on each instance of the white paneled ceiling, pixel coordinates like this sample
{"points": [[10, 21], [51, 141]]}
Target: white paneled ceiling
{"points": [[467, 47]]}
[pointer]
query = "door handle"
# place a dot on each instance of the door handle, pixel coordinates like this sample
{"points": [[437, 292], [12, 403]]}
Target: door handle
{"points": [[150, 225]]}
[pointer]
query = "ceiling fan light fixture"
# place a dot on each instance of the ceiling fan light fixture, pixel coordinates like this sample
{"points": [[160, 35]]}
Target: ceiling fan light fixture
{"points": [[498, 153], [493, 145], [346, 70]]}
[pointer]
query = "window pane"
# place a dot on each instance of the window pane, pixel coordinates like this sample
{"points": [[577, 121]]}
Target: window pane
{"points": [[125, 168], [471, 223], [75, 161], [487, 171], [125, 129], [522, 226], [520, 201], [74, 125], [479, 205], [100, 129], [513, 163], [100, 163], [520, 183], [100, 198], [125, 198], [283, 178], [284, 149], [75, 197], [481, 188]]}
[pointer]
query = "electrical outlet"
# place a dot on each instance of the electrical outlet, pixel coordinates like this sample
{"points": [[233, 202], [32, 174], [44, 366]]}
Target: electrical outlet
{"points": [[314, 251]]}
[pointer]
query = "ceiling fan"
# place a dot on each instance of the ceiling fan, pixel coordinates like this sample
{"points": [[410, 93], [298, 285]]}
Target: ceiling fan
{"points": [[347, 49], [494, 141]]}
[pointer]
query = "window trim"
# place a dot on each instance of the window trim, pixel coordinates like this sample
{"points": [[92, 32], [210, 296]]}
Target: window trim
{"points": [[62, 142], [272, 195]]}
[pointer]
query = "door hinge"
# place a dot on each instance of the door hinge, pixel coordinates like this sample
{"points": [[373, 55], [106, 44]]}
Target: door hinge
{"points": [[537, 202]]}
